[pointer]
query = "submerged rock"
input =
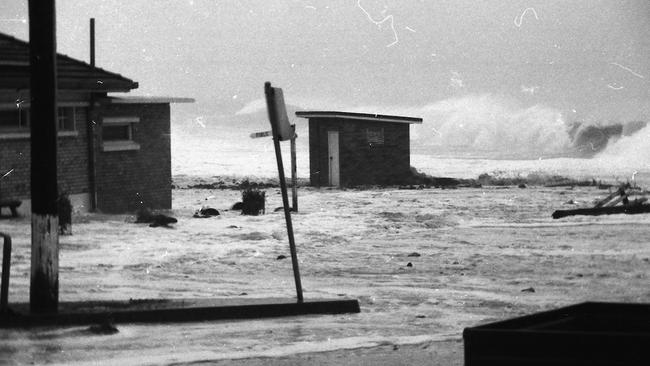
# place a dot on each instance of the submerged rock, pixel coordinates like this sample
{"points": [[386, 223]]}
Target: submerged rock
{"points": [[206, 212], [163, 221], [155, 219], [105, 328]]}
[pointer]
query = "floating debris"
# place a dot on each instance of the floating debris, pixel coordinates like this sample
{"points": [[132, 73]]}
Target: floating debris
{"points": [[105, 328], [206, 212], [610, 205]]}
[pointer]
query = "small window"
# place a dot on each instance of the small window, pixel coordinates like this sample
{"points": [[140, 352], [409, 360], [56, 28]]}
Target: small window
{"points": [[14, 120], [66, 120], [375, 136], [117, 132]]}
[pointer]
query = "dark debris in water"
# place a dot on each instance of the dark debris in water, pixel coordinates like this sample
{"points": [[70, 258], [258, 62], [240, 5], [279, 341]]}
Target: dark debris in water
{"points": [[105, 328]]}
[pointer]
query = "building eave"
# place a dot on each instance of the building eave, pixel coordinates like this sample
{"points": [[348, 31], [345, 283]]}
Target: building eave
{"points": [[359, 116], [148, 100]]}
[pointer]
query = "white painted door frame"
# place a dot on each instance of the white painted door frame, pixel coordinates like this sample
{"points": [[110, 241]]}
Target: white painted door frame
{"points": [[334, 178]]}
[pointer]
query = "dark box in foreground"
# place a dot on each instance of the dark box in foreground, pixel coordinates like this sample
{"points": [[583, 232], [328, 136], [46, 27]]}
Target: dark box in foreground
{"points": [[589, 333]]}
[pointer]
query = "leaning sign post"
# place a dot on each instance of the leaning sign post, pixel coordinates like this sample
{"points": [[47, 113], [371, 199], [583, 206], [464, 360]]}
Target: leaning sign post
{"points": [[294, 178], [282, 131]]}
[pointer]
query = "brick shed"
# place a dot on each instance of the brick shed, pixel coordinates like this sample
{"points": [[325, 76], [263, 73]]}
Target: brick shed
{"points": [[351, 149], [114, 150]]}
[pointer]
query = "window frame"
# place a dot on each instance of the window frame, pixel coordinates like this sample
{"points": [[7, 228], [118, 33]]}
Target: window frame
{"points": [[23, 130], [60, 118], [375, 136], [123, 144], [20, 127]]}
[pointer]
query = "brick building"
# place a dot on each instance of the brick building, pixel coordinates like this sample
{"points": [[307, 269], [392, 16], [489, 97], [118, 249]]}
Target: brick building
{"points": [[113, 151], [351, 149]]}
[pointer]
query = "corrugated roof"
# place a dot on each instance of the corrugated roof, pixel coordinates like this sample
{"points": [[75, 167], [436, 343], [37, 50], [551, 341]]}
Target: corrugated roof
{"points": [[72, 74], [358, 116]]}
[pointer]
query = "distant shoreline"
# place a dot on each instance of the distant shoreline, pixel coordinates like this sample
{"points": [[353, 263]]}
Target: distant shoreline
{"points": [[418, 181]]}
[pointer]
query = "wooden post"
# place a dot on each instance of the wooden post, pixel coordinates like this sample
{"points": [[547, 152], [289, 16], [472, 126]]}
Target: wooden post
{"points": [[294, 173], [270, 104], [44, 285], [6, 268]]}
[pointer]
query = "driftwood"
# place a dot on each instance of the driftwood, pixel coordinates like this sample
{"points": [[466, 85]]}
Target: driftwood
{"points": [[610, 205], [595, 211]]}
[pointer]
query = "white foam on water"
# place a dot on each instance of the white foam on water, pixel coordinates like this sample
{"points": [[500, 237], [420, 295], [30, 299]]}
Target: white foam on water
{"points": [[164, 356]]}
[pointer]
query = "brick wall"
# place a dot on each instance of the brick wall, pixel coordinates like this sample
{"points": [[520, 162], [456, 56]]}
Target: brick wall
{"points": [[130, 179], [72, 163], [361, 163], [72, 151]]}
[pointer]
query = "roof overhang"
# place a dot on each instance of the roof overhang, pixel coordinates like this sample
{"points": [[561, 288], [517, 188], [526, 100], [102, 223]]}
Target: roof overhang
{"points": [[358, 116], [148, 100], [72, 74]]}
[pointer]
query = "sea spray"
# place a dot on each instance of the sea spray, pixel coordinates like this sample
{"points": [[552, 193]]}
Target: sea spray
{"points": [[631, 152], [492, 126], [459, 137]]}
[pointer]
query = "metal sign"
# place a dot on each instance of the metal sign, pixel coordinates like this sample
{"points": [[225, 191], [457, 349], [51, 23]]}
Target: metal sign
{"points": [[278, 114]]}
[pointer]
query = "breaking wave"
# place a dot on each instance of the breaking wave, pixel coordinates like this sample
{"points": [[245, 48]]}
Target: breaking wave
{"points": [[487, 124], [493, 127], [629, 150]]}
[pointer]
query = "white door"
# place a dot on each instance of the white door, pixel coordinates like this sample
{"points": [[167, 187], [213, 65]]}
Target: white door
{"points": [[333, 157]]}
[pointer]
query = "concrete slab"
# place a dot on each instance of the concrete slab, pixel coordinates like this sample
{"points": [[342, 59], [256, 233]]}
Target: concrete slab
{"points": [[172, 310]]}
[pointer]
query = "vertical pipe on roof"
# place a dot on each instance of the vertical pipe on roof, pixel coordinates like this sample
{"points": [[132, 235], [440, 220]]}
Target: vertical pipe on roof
{"points": [[90, 128], [92, 42]]}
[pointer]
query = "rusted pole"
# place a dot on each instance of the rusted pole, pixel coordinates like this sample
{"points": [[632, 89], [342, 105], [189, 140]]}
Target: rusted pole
{"points": [[44, 285], [270, 103], [294, 173]]}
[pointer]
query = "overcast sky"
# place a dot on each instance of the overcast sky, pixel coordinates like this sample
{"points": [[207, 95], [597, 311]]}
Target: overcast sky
{"points": [[589, 59]]}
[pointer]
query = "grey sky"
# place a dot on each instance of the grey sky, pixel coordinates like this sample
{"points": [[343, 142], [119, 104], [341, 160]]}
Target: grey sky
{"points": [[587, 56]]}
